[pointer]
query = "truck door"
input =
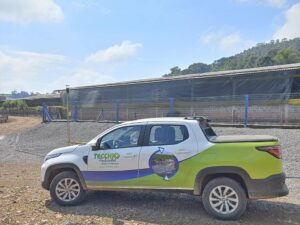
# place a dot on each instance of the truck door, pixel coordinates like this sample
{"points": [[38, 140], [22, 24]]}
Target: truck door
{"points": [[116, 159], [165, 147]]}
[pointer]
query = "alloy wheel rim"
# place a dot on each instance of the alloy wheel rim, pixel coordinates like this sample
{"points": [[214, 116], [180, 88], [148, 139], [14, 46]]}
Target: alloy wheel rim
{"points": [[67, 189], [223, 199]]}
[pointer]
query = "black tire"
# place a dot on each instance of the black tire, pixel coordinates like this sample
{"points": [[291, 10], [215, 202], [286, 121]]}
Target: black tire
{"points": [[231, 210], [71, 176]]}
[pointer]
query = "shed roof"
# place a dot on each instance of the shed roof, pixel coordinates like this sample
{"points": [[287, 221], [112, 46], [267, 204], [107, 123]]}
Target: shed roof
{"points": [[287, 67]]}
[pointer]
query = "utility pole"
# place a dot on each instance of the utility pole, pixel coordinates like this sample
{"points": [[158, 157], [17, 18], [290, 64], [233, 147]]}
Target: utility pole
{"points": [[68, 117]]}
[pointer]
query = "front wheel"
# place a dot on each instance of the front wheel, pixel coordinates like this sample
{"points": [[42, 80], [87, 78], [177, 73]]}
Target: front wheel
{"points": [[66, 189], [224, 198]]}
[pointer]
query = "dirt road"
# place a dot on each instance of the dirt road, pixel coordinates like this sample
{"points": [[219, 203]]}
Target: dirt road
{"points": [[17, 123]]}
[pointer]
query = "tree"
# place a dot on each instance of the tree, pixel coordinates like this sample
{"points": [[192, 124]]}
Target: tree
{"points": [[250, 61], [286, 56], [197, 68], [22, 94], [15, 104], [175, 71], [263, 54], [265, 61]]}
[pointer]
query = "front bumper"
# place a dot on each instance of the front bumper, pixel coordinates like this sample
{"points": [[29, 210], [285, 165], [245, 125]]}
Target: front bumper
{"points": [[271, 187], [43, 173]]}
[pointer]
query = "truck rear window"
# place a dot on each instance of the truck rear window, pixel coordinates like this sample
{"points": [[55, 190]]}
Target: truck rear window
{"points": [[207, 129]]}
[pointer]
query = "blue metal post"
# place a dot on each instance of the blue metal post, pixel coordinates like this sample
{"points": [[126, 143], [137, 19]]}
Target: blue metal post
{"points": [[44, 112], [171, 107], [46, 115], [117, 107], [246, 110]]}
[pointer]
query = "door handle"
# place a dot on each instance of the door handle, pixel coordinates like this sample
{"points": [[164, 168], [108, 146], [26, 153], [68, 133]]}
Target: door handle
{"points": [[131, 155]]}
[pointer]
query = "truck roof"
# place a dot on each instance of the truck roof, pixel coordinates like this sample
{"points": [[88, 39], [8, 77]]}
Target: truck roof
{"points": [[161, 119]]}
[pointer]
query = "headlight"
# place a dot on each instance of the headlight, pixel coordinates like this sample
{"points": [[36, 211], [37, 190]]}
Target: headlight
{"points": [[52, 156]]}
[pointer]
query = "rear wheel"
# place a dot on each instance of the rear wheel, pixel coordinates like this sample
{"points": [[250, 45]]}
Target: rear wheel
{"points": [[224, 198], [66, 189]]}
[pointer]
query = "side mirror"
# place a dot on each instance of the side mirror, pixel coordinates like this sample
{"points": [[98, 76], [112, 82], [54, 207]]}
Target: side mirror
{"points": [[97, 146], [94, 148]]}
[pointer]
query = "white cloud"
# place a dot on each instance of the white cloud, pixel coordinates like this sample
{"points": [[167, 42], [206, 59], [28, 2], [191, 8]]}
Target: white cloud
{"points": [[31, 71], [291, 28], [222, 42], [23, 70], [21, 61], [230, 41], [271, 3], [207, 38], [277, 3], [115, 53], [90, 4], [27, 11], [83, 77]]}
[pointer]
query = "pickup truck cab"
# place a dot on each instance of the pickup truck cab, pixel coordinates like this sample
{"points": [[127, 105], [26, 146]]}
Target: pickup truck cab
{"points": [[170, 154]]}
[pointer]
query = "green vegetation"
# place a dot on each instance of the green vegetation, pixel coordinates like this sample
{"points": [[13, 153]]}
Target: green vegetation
{"points": [[15, 104], [263, 54], [5, 95]]}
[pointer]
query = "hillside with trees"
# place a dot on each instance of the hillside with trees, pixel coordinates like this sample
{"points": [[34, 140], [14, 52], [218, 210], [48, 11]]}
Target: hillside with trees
{"points": [[263, 54]]}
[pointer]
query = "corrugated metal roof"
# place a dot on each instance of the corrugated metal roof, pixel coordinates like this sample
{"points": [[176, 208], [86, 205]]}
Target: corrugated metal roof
{"points": [[249, 71], [42, 96]]}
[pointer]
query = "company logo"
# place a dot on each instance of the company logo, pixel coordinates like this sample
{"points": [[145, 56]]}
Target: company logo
{"points": [[111, 157], [163, 163]]}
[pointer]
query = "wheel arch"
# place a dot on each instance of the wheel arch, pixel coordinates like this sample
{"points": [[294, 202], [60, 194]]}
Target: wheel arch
{"points": [[204, 176], [53, 170]]}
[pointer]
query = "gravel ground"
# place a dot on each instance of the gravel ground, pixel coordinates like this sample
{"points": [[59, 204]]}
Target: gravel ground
{"points": [[34, 143], [23, 201]]}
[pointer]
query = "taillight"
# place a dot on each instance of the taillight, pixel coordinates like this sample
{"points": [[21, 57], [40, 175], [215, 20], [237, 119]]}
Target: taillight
{"points": [[273, 150]]}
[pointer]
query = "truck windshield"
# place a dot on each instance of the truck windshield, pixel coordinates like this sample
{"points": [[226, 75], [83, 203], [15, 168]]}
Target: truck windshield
{"points": [[207, 129]]}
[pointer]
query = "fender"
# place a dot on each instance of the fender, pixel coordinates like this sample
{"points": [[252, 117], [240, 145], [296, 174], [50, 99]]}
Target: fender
{"points": [[63, 167], [208, 173]]}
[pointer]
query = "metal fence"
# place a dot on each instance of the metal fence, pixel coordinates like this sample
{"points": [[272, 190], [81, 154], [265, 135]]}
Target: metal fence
{"points": [[223, 109], [21, 112], [258, 109]]}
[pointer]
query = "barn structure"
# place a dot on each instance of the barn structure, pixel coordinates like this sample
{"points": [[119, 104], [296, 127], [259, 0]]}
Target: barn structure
{"points": [[38, 100], [273, 96]]}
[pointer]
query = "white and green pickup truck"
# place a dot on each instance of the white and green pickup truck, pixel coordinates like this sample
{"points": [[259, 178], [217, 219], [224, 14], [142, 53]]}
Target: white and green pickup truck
{"points": [[170, 154]]}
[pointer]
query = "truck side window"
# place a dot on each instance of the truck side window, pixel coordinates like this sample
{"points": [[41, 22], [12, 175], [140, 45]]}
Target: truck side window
{"points": [[123, 137], [167, 134]]}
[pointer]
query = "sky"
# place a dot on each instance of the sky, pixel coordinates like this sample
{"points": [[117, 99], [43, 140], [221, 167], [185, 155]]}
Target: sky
{"points": [[48, 44]]}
